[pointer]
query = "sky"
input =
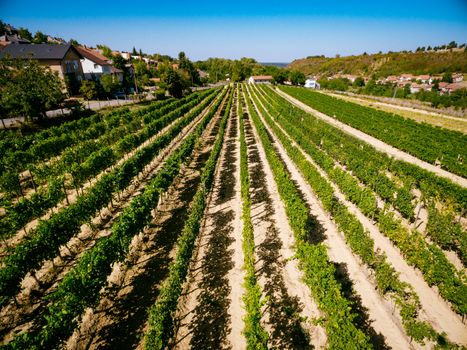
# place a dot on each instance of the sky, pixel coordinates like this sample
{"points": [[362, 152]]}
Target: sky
{"points": [[269, 31]]}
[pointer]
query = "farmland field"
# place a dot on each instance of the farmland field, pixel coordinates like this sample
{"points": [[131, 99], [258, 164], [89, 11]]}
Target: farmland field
{"points": [[233, 218]]}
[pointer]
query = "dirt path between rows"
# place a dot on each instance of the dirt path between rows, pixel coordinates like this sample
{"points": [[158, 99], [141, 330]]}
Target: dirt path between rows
{"points": [[434, 309], [19, 316], [132, 287], [210, 313], [290, 308], [387, 329], [377, 144]]}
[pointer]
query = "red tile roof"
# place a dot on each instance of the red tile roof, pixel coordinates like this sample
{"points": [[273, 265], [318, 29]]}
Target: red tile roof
{"points": [[262, 77], [94, 56]]}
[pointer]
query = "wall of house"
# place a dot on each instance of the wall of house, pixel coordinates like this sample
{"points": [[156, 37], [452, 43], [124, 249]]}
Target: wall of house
{"points": [[71, 63]]}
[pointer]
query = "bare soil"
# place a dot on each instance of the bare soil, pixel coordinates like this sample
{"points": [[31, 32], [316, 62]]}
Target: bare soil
{"points": [[290, 309], [210, 312]]}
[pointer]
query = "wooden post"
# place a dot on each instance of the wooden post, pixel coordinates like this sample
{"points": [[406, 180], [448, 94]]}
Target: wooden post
{"points": [[66, 194], [32, 180]]}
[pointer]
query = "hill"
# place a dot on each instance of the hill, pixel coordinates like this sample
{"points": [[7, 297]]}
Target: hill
{"points": [[384, 64]]}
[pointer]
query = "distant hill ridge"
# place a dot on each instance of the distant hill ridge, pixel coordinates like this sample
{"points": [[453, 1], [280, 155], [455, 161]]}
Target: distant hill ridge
{"points": [[385, 64]]}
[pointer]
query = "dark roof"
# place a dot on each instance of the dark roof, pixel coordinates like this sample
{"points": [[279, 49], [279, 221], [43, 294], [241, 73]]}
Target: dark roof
{"points": [[14, 39], [38, 51]]}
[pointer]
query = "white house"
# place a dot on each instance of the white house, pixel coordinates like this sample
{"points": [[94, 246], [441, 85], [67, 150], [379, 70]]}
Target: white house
{"points": [[260, 79], [457, 77], [312, 84], [95, 65]]}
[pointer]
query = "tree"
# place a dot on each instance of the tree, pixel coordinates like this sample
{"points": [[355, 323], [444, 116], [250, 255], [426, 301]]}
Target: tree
{"points": [[106, 51], [297, 78], [359, 82], [280, 76], [28, 89], [452, 45], [74, 42], [173, 82], [89, 89], [110, 84], [24, 33], [134, 53], [39, 38], [447, 77]]}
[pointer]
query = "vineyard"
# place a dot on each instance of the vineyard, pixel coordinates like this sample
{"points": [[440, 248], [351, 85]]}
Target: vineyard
{"points": [[233, 218]]}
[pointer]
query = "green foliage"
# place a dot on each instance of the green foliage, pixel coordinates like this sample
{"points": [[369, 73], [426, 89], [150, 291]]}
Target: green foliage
{"points": [[25, 34], [39, 38], [387, 279], [106, 51], [319, 271], [339, 84], [173, 82], [296, 77], [256, 336], [385, 64], [424, 141], [44, 242], [89, 89], [28, 89], [109, 83]]}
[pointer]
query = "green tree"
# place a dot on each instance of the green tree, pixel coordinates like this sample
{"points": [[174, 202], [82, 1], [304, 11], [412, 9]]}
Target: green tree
{"points": [[74, 42], [173, 82], [39, 38], [280, 76], [134, 52], [297, 78], [452, 45], [89, 89], [24, 33], [110, 84], [28, 89], [106, 51], [359, 82], [447, 77]]}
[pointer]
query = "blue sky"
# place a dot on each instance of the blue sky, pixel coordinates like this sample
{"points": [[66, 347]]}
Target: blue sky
{"points": [[269, 31]]}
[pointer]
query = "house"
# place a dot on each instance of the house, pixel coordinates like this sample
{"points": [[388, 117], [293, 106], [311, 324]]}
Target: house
{"points": [[392, 79], [202, 74], [125, 55], [312, 84], [95, 65], [63, 59], [260, 79], [450, 88], [424, 79], [405, 77], [351, 78], [13, 39], [414, 88], [457, 77]]}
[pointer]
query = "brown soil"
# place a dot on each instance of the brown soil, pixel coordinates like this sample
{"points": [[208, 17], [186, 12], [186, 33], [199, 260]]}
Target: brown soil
{"points": [[290, 309], [210, 312]]}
